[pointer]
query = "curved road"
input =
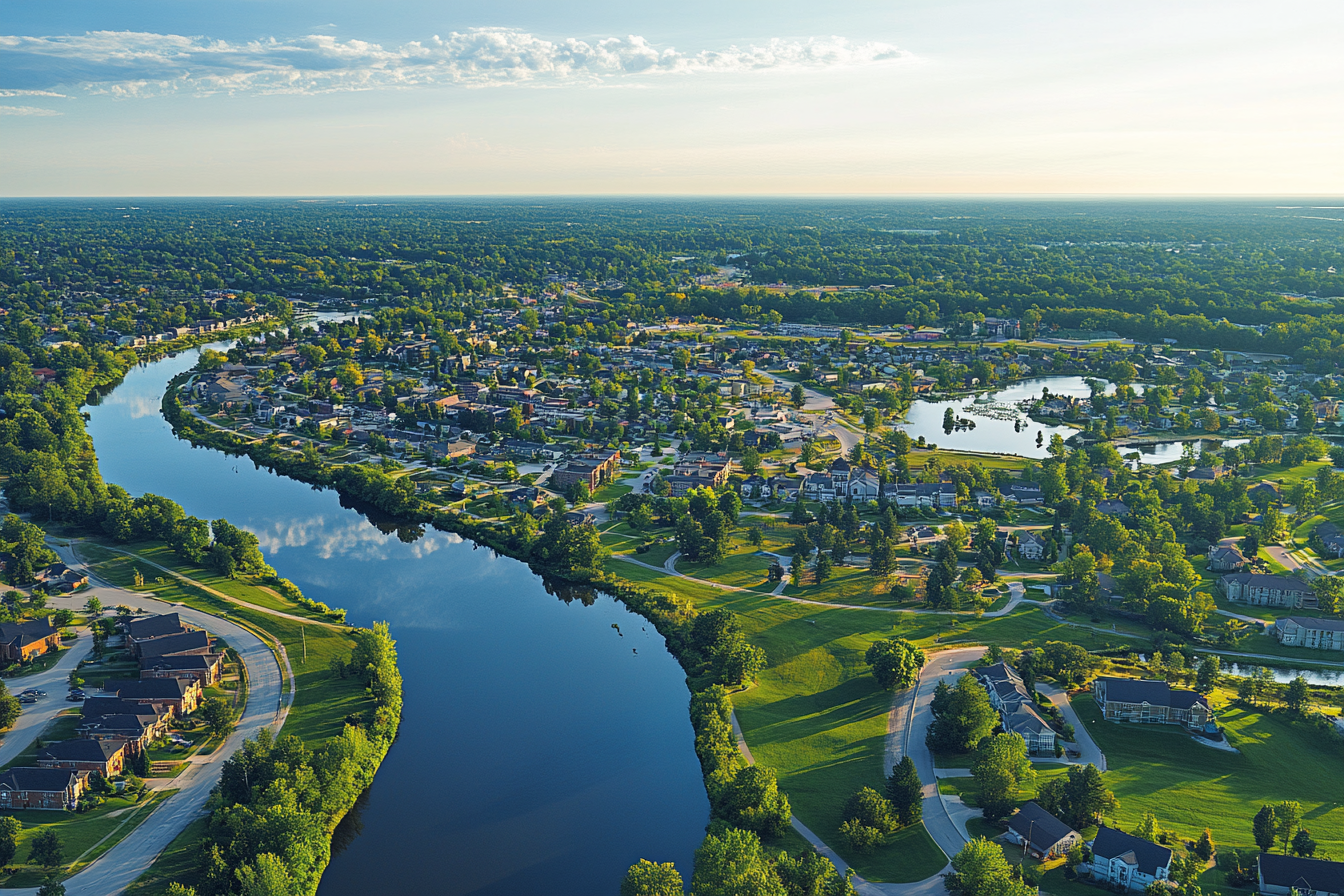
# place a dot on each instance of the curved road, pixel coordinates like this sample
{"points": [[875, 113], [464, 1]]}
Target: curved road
{"points": [[266, 708]]}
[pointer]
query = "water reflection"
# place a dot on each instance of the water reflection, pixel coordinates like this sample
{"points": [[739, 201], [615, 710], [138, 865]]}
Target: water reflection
{"points": [[545, 745]]}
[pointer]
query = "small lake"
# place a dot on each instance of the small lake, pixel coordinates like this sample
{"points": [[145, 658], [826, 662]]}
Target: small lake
{"points": [[1283, 676], [545, 744], [1002, 429]]}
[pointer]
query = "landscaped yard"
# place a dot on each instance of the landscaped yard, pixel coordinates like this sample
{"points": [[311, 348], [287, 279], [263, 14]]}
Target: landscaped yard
{"points": [[1189, 787]]}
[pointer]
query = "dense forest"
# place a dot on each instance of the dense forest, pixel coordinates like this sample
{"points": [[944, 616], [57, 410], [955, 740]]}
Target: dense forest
{"points": [[1252, 275]]}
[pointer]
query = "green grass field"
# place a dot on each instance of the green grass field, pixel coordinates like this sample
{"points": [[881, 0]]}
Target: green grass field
{"points": [[1159, 769]]}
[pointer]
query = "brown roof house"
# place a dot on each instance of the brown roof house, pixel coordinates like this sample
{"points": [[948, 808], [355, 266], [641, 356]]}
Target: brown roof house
{"points": [[41, 788], [104, 757], [22, 641]]}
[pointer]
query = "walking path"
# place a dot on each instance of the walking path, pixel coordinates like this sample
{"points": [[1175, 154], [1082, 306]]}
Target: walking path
{"points": [[267, 707], [1089, 752], [1016, 591]]}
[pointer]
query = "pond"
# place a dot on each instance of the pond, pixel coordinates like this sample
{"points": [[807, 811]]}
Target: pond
{"points": [[545, 745]]}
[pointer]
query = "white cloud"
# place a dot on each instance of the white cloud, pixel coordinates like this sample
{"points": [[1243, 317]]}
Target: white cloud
{"points": [[31, 93], [124, 62], [27, 110]]}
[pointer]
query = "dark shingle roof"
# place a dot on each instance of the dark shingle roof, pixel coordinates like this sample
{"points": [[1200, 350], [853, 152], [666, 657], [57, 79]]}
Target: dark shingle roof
{"points": [[175, 643], [1302, 874], [146, 688], [154, 626], [1148, 856], [49, 780], [82, 750], [1043, 829], [1154, 693]]}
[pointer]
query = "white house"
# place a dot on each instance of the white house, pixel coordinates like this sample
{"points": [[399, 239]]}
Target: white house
{"points": [[1126, 861]]}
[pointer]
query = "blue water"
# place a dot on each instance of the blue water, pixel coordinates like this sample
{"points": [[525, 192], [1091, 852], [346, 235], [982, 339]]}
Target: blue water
{"points": [[541, 750]]}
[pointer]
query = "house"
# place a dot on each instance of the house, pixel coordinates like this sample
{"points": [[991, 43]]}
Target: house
{"points": [[207, 668], [923, 494], [107, 758], [22, 641], [1226, 559], [41, 788], [1142, 700], [59, 577], [1128, 862], [1026, 493], [1301, 631], [1030, 546], [182, 696], [171, 645], [592, 468], [1217, 471], [153, 627], [1329, 539], [1113, 508], [1293, 876], [132, 725], [1045, 836], [984, 499], [1009, 695], [1261, 590]]}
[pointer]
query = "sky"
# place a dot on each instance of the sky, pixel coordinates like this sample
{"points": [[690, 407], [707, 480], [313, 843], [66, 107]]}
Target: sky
{"points": [[864, 97]]}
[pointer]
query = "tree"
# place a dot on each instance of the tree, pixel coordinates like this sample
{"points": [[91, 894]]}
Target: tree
{"points": [[821, 570], [895, 662], [732, 863], [94, 607], [1206, 678], [1148, 829], [9, 835], [1204, 847], [646, 878], [56, 888], [956, 535], [1265, 828], [981, 869], [47, 849], [1296, 696], [871, 809], [906, 792], [1287, 819], [753, 802], [217, 715], [750, 460], [797, 395], [1079, 799], [881, 556], [1303, 845], [962, 719], [1000, 766]]}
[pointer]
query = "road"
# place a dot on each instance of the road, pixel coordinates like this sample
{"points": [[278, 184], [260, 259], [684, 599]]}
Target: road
{"points": [[35, 716], [266, 707]]}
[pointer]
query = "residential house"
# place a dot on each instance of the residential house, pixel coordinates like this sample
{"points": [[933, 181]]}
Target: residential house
{"points": [[592, 468], [1128, 862], [1025, 493], [1261, 590], [41, 788], [1045, 836], [984, 499], [1142, 700], [1016, 708], [172, 645], [1302, 631], [59, 577], [22, 641], [207, 668], [104, 757], [923, 494], [1113, 508], [1329, 539], [152, 627], [181, 695], [1294, 876], [1226, 559], [1030, 546]]}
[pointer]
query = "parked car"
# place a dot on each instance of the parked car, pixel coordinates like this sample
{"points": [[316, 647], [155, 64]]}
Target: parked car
{"points": [[75, 698], [27, 698]]}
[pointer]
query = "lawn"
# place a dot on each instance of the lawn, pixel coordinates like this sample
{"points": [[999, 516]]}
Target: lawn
{"points": [[1190, 787], [85, 836], [847, 585], [744, 570], [178, 862]]}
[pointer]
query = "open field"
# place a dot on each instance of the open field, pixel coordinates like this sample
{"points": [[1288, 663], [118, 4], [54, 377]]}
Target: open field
{"points": [[1159, 769]]}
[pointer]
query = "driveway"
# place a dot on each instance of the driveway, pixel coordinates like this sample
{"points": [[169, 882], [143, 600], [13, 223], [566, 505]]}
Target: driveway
{"points": [[266, 707], [1091, 753]]}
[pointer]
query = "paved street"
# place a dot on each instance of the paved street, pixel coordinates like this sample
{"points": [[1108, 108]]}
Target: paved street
{"points": [[266, 707], [1091, 753], [36, 716]]}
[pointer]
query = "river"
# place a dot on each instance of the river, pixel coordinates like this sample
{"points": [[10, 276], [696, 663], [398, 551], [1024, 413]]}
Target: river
{"points": [[545, 744]]}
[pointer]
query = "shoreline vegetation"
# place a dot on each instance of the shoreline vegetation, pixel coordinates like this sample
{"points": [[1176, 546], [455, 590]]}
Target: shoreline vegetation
{"points": [[313, 779]]}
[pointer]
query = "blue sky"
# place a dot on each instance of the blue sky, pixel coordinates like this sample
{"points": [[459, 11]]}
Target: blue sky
{"points": [[287, 97]]}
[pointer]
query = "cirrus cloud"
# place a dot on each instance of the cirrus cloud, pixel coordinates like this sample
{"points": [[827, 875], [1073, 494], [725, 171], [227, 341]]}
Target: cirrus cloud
{"points": [[128, 63]]}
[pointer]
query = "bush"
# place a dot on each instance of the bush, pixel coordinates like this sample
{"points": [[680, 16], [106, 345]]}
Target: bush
{"points": [[860, 837]]}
